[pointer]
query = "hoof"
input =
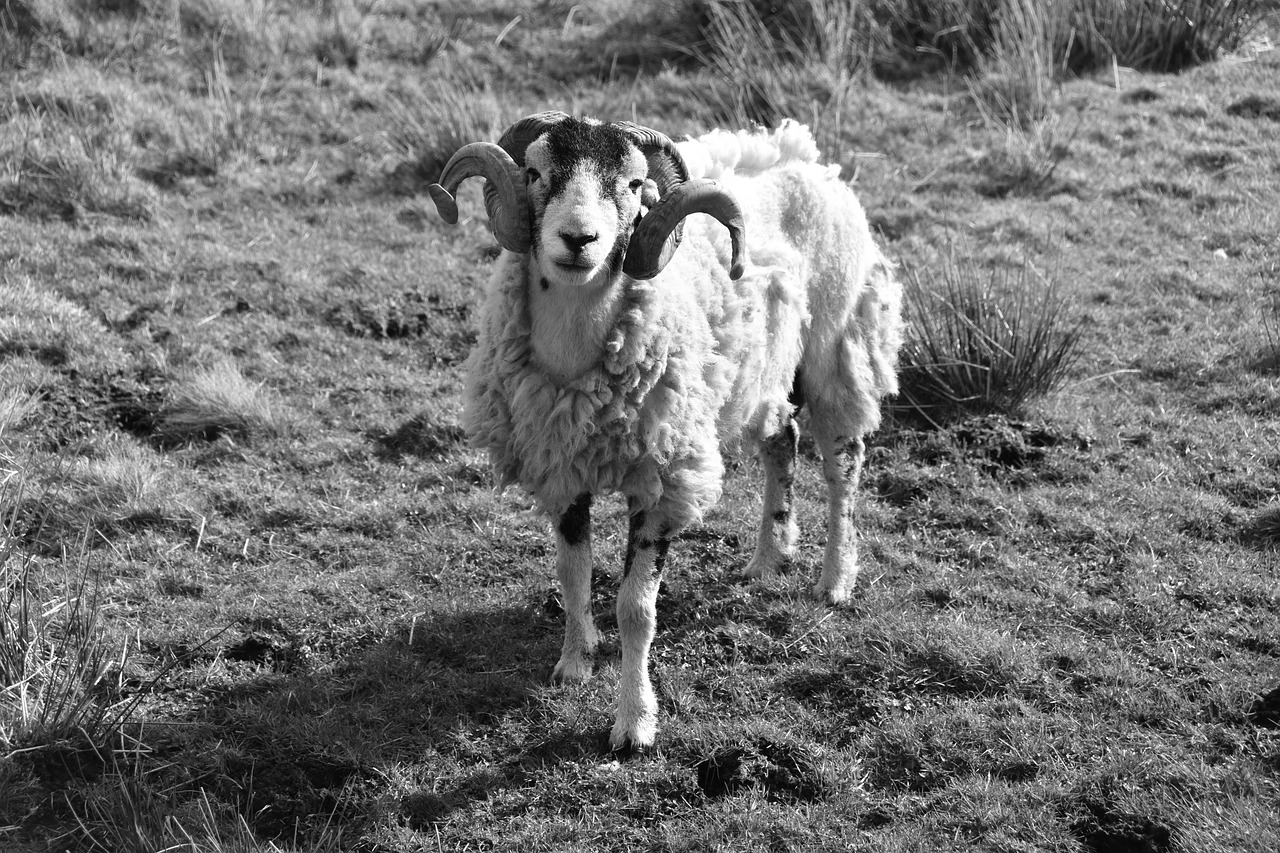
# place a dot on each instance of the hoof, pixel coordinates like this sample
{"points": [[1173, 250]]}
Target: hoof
{"points": [[834, 596], [571, 672], [628, 741], [760, 569], [628, 749]]}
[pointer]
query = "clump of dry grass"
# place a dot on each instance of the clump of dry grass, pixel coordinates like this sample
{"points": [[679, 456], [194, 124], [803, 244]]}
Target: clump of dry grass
{"points": [[16, 406], [427, 126], [38, 324], [214, 402], [238, 31], [68, 146], [26, 23], [58, 675], [982, 345], [1158, 35], [122, 482], [1024, 161], [1265, 527], [1014, 81], [130, 813], [772, 62]]}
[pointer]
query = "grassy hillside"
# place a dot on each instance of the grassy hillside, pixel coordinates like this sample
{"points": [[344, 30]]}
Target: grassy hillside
{"points": [[259, 594]]}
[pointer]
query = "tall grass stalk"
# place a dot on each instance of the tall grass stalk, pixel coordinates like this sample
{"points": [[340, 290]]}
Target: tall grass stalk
{"points": [[982, 345], [802, 62], [1270, 358], [125, 814], [1015, 81], [1158, 35], [57, 673], [427, 128]]}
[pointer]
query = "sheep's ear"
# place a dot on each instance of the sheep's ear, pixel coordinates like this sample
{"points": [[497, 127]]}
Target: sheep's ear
{"points": [[649, 195], [509, 213], [666, 166], [658, 235]]}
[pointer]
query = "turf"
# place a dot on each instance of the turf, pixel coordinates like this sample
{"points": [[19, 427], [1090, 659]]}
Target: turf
{"points": [[231, 334]]}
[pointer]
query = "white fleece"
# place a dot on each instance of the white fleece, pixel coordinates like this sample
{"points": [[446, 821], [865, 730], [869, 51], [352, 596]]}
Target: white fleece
{"points": [[696, 362]]}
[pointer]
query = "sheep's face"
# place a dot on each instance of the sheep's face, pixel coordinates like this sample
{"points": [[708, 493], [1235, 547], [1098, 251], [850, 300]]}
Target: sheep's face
{"points": [[585, 182]]}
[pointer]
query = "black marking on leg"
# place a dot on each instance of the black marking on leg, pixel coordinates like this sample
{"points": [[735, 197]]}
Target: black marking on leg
{"points": [[782, 516], [660, 555], [637, 543], [545, 284], [575, 524], [780, 450], [796, 397], [633, 541]]}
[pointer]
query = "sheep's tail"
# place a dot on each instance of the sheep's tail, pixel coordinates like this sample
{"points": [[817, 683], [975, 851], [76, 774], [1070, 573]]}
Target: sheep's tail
{"points": [[723, 152]]}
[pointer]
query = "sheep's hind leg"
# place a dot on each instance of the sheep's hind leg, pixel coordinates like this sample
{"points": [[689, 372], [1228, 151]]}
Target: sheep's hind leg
{"points": [[776, 542], [842, 459], [573, 568], [636, 723]]}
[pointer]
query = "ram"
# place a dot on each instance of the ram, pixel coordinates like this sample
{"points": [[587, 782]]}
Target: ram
{"points": [[626, 341]]}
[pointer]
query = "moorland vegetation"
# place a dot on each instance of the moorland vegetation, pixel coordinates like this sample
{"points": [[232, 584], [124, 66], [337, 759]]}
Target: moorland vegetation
{"points": [[257, 593]]}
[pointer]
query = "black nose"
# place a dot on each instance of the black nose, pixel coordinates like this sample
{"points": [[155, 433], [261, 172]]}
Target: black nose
{"points": [[578, 242]]}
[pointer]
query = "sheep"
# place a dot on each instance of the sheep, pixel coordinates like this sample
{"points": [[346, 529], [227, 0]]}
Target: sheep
{"points": [[622, 347]]}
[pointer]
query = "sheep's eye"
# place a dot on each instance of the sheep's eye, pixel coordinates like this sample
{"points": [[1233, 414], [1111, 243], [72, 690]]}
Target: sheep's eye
{"points": [[636, 185], [531, 175]]}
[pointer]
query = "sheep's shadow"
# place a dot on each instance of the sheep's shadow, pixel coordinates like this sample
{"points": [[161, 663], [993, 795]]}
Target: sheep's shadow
{"points": [[441, 710], [431, 700]]}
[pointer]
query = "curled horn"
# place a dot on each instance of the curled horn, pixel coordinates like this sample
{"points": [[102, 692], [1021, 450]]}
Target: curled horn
{"points": [[510, 216], [514, 140], [667, 169], [501, 165], [655, 240]]}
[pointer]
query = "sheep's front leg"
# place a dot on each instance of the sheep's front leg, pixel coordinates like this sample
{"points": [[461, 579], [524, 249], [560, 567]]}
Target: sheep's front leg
{"points": [[842, 459], [636, 723], [573, 568], [776, 542]]}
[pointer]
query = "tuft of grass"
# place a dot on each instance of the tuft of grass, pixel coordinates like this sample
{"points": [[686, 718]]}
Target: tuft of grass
{"points": [[982, 345], [1270, 358], [1265, 528], [1157, 35], [1025, 159], [23, 23], [39, 324], [125, 813], [52, 173], [427, 127], [58, 675], [1014, 81], [213, 402], [237, 30], [122, 485], [775, 61]]}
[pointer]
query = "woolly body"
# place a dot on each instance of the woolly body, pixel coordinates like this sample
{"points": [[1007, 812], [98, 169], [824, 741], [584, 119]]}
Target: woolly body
{"points": [[587, 381], [694, 362]]}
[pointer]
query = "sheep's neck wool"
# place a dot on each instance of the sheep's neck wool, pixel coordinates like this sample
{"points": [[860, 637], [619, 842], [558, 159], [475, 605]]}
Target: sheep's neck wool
{"points": [[611, 429]]}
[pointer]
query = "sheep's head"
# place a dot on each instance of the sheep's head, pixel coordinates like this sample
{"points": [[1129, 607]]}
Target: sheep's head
{"points": [[588, 198]]}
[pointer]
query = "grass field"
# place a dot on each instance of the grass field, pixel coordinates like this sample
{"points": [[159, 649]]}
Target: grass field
{"points": [[259, 594]]}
